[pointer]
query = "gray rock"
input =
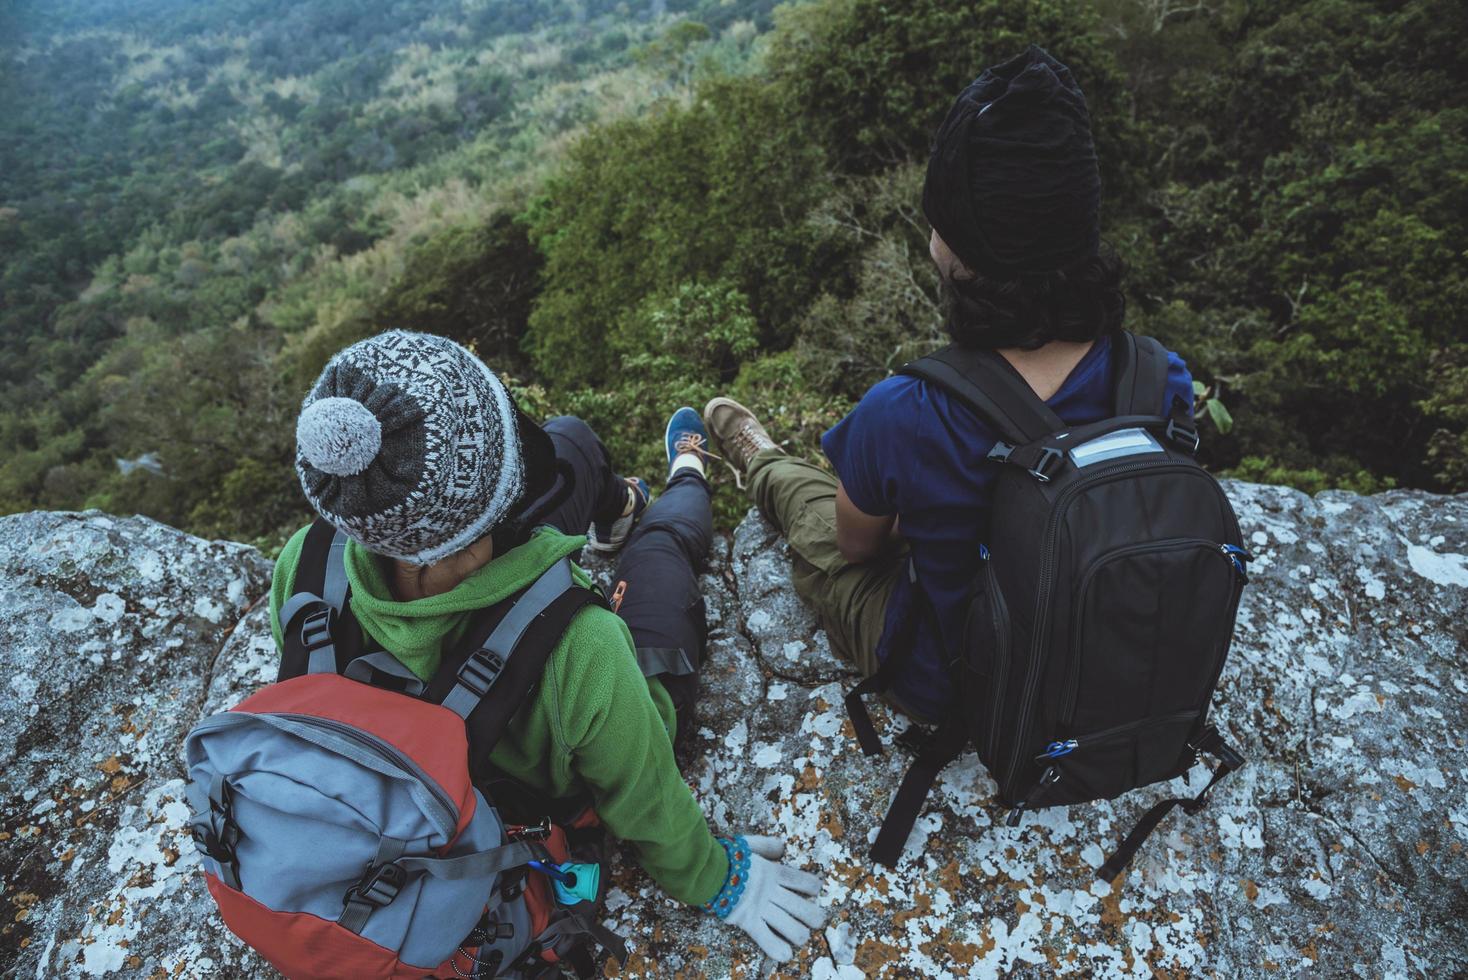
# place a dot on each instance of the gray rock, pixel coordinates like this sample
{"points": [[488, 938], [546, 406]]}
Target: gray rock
{"points": [[110, 630], [1338, 851]]}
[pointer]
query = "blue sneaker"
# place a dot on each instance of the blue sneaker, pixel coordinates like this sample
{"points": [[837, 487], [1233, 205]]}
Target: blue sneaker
{"points": [[686, 434], [609, 536]]}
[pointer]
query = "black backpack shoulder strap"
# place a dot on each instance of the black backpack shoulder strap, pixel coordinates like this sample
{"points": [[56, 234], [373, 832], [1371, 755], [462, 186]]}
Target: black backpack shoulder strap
{"points": [[1140, 370], [318, 632], [988, 385], [491, 676]]}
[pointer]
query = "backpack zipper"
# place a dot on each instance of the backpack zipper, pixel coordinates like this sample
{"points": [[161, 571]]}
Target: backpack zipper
{"points": [[1000, 611], [1073, 673], [1047, 574], [1064, 747], [1048, 778]]}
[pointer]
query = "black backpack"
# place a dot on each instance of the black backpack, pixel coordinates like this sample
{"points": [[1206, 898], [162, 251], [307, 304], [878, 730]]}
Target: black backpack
{"points": [[1103, 610], [485, 679]]}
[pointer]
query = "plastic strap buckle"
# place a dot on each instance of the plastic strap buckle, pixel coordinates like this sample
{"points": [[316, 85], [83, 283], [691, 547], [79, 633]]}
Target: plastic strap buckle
{"points": [[481, 671], [220, 847], [316, 628], [1001, 452], [379, 886], [1183, 436], [1049, 458]]}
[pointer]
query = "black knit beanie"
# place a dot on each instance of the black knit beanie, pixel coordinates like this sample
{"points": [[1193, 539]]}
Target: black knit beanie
{"points": [[1013, 186]]}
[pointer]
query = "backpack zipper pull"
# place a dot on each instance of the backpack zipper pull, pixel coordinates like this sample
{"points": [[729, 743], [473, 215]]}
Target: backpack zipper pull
{"points": [[1048, 778], [1239, 557], [1057, 749]]}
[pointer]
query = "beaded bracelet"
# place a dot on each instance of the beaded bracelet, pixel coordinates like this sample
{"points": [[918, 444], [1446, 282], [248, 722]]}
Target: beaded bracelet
{"points": [[728, 897]]}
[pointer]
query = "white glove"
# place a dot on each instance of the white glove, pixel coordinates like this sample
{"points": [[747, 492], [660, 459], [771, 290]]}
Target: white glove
{"points": [[775, 906]]}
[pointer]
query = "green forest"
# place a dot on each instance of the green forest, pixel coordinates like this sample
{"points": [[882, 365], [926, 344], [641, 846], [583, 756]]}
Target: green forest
{"points": [[624, 207]]}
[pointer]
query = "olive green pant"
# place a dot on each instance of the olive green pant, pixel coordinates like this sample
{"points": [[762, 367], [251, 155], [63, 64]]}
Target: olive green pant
{"points": [[851, 599]]}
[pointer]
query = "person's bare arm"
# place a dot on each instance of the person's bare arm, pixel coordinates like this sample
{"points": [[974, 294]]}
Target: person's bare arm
{"points": [[859, 535]]}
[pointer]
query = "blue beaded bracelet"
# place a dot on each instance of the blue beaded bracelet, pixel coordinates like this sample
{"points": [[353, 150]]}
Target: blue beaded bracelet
{"points": [[728, 897]]}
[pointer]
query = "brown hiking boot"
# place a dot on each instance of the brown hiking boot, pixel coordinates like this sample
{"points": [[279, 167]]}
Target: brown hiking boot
{"points": [[737, 433]]}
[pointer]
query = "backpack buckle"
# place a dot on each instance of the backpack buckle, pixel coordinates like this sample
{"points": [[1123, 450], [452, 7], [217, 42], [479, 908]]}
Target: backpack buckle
{"points": [[480, 671], [1001, 452], [219, 846], [1045, 465], [1183, 436], [379, 886], [316, 628]]}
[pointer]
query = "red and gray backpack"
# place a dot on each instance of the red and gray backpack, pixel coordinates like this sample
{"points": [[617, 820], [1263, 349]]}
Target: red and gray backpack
{"points": [[344, 816], [1097, 627]]}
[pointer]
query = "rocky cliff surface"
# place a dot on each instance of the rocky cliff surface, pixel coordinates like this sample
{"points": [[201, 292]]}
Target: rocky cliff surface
{"points": [[1339, 850]]}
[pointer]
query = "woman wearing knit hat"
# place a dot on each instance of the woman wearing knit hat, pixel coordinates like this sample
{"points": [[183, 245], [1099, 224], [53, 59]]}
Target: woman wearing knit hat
{"points": [[1013, 196], [454, 501]]}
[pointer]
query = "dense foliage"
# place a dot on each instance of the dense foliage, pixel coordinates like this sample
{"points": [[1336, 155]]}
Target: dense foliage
{"points": [[627, 209]]}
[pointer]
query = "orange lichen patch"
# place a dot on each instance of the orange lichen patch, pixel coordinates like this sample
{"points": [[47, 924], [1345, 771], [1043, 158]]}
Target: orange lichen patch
{"points": [[831, 823], [1270, 965], [949, 877], [1423, 847], [944, 946], [1251, 890], [135, 961], [808, 781], [1404, 784], [635, 966], [1381, 699], [1310, 952], [873, 954], [1111, 914], [922, 908], [110, 765]]}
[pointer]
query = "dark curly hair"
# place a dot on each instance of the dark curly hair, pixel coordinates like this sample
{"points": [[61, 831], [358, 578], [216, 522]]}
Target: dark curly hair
{"points": [[1081, 303]]}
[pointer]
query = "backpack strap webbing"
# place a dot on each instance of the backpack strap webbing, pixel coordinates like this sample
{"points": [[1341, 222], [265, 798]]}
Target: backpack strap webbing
{"points": [[1228, 760], [899, 652], [491, 676], [1140, 372], [947, 743], [985, 382], [319, 634]]}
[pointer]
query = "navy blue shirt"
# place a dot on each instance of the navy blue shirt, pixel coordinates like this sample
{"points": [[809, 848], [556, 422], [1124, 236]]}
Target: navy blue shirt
{"points": [[908, 449]]}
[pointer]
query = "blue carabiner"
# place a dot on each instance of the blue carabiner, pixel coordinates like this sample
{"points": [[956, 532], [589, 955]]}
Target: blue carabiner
{"points": [[1057, 749], [1238, 556]]}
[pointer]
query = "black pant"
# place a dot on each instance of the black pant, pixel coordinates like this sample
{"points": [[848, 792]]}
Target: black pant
{"points": [[657, 574]]}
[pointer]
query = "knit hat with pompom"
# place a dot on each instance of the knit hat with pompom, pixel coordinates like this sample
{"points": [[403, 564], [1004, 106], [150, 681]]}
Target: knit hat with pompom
{"points": [[411, 446]]}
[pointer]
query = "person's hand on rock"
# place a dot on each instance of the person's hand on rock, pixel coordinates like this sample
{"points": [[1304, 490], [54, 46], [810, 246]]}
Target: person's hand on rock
{"points": [[772, 902]]}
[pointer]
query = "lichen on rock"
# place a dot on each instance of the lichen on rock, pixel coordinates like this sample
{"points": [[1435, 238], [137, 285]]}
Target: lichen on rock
{"points": [[1338, 851]]}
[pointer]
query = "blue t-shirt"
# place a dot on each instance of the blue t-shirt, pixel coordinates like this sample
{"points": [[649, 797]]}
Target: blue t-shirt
{"points": [[908, 449]]}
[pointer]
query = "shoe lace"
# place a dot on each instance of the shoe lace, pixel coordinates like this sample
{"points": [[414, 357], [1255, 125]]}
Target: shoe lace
{"points": [[746, 440], [694, 442]]}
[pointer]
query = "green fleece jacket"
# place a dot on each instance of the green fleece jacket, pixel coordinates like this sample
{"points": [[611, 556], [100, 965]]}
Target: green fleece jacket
{"points": [[594, 724]]}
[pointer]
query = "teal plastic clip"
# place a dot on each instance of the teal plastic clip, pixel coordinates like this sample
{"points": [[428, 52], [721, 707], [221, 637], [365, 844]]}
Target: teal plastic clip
{"points": [[585, 879]]}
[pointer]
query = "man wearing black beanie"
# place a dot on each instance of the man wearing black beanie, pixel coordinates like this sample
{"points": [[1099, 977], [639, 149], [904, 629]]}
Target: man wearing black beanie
{"points": [[1013, 195]]}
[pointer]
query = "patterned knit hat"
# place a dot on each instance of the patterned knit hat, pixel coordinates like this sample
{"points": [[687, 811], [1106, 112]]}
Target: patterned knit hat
{"points": [[410, 445]]}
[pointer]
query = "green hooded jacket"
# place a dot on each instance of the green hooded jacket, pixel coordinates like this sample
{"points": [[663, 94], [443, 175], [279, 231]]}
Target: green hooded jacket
{"points": [[594, 725]]}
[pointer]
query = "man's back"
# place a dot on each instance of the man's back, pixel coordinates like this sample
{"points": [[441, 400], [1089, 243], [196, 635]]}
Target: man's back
{"points": [[908, 449]]}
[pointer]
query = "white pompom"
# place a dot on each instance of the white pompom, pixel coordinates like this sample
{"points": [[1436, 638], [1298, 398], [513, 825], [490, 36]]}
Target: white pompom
{"points": [[339, 436]]}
